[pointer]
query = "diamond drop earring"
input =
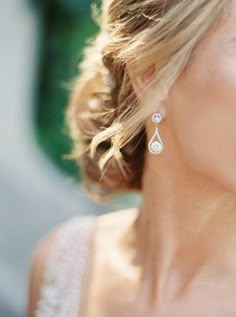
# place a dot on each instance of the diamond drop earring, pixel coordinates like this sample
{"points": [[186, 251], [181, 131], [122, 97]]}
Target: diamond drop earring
{"points": [[156, 146]]}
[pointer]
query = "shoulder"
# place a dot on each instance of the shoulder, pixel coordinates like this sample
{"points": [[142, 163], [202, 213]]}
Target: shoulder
{"points": [[113, 245], [44, 249], [115, 232], [109, 228], [114, 223]]}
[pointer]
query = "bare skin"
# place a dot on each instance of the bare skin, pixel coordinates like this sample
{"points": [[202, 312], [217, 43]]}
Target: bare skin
{"points": [[182, 258], [176, 256], [116, 283]]}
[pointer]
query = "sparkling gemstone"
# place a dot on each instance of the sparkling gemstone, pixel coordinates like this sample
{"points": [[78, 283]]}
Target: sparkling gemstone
{"points": [[156, 118], [156, 147]]}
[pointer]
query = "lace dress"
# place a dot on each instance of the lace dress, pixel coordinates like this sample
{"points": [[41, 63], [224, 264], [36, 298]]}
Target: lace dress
{"points": [[61, 287]]}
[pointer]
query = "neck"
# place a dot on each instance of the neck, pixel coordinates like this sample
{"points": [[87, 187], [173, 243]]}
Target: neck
{"points": [[186, 229]]}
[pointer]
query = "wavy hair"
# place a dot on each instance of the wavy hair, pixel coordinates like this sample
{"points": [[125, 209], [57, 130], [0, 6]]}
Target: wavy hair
{"points": [[104, 117]]}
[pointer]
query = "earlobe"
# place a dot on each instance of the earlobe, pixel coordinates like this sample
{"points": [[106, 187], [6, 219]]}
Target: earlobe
{"points": [[139, 83]]}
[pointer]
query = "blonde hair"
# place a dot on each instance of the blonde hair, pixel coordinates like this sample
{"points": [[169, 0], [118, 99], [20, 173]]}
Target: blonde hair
{"points": [[105, 119]]}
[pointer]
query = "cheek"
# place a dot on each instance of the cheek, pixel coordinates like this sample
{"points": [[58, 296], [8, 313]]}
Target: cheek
{"points": [[202, 115]]}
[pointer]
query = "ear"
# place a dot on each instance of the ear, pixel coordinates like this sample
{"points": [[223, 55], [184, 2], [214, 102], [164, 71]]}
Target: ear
{"points": [[140, 81]]}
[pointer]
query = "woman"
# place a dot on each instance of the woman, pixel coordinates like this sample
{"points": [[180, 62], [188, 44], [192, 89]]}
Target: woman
{"points": [[154, 111]]}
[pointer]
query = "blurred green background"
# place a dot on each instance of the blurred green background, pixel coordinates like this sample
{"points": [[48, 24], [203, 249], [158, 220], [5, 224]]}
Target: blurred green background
{"points": [[67, 24]]}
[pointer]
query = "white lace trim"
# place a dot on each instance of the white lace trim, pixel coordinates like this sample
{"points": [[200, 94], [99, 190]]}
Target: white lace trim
{"points": [[61, 289]]}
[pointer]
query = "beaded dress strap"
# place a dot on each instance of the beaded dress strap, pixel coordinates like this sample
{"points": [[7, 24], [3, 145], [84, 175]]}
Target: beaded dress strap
{"points": [[61, 288]]}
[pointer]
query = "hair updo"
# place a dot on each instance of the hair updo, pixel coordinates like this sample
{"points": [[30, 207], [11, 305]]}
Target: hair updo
{"points": [[105, 119]]}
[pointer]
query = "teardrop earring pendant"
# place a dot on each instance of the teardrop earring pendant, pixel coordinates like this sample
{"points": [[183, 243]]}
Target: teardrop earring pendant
{"points": [[155, 145]]}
